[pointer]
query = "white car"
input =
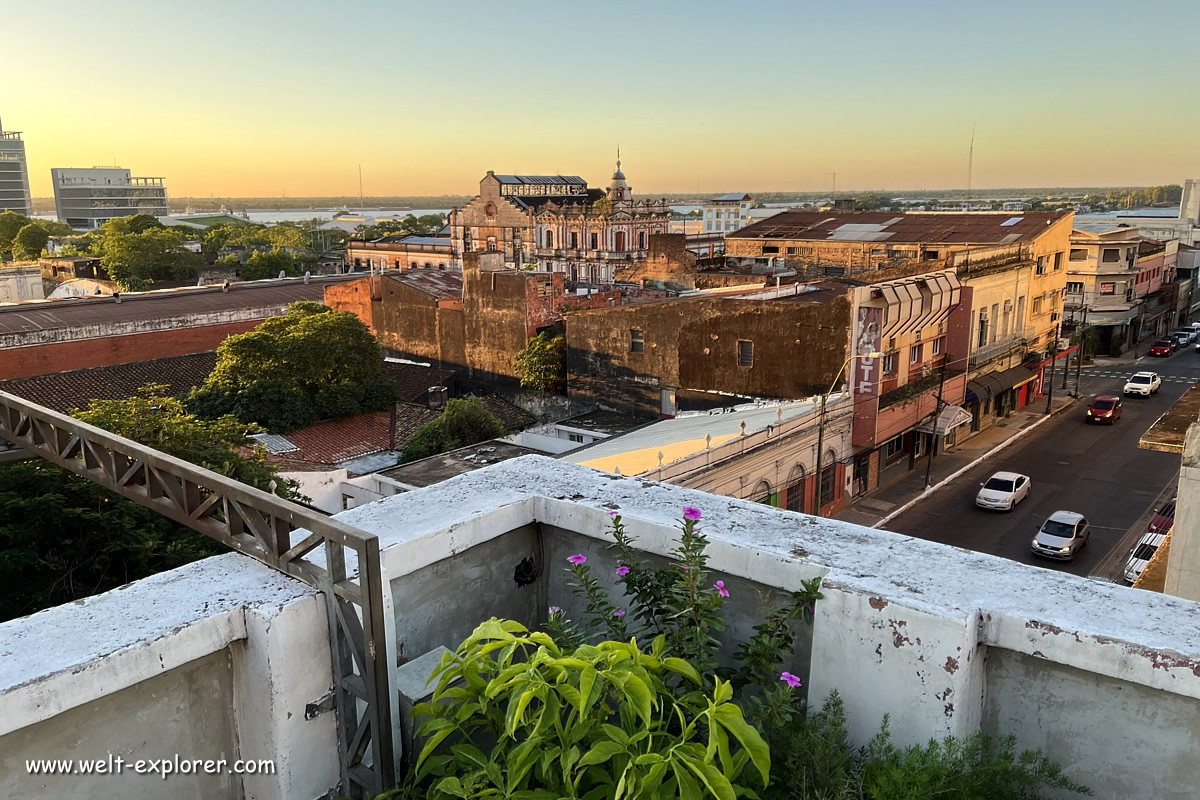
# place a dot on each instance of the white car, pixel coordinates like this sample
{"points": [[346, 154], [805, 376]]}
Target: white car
{"points": [[1003, 491], [1140, 556], [1143, 383], [1061, 536]]}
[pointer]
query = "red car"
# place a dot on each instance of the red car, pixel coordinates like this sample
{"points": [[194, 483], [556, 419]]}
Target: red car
{"points": [[1162, 348], [1163, 519], [1105, 408]]}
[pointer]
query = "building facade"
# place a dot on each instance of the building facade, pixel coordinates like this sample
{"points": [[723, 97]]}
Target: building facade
{"points": [[87, 198], [20, 282], [555, 223], [727, 212], [403, 252], [14, 174]]}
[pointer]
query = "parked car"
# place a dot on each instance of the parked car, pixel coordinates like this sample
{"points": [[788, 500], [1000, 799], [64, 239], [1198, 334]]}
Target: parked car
{"points": [[1184, 336], [1141, 554], [1162, 348], [1163, 519], [1105, 408], [1003, 491], [1061, 536], [1143, 383]]}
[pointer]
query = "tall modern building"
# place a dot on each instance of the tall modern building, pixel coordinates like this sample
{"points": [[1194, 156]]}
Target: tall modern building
{"points": [[87, 198], [14, 175]]}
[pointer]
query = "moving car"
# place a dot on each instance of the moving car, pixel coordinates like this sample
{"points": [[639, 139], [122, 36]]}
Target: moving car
{"points": [[1061, 536], [1163, 348], [1003, 491], [1163, 519], [1184, 336], [1105, 408], [1141, 554], [1143, 383]]}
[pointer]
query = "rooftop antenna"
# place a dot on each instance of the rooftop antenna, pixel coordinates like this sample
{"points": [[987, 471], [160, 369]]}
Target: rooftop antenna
{"points": [[970, 164]]}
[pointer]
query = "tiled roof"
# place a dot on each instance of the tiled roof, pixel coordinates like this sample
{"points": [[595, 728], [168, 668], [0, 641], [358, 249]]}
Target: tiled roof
{"points": [[412, 381], [895, 227], [510, 416], [409, 417], [64, 391], [336, 440]]}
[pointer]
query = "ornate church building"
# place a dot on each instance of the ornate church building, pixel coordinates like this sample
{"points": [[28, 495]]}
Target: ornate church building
{"points": [[555, 223]]}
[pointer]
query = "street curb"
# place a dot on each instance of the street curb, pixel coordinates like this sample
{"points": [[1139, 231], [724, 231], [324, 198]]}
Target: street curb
{"points": [[927, 492]]}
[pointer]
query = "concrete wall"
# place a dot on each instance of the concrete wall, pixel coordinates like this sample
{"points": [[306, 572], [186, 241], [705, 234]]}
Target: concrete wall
{"points": [[18, 284]]}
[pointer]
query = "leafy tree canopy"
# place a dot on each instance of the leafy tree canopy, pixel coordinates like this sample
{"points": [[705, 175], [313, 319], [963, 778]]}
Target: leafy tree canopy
{"points": [[465, 421], [29, 242], [64, 537], [308, 365], [135, 260], [540, 362], [285, 234], [424, 225], [11, 224], [260, 265]]}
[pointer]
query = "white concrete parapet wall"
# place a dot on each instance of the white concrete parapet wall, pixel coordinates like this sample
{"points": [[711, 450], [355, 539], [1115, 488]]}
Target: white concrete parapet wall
{"points": [[214, 660], [1104, 678]]}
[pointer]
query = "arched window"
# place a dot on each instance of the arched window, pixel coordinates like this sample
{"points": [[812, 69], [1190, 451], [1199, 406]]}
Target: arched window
{"points": [[829, 488], [549, 238], [795, 489], [762, 493]]}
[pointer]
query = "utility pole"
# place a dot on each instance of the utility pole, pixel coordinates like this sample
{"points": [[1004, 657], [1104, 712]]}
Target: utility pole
{"points": [[820, 452], [937, 412], [1053, 356], [1082, 345]]}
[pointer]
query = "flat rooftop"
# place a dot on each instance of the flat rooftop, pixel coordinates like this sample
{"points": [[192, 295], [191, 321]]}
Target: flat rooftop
{"points": [[894, 227], [1167, 433], [444, 466]]}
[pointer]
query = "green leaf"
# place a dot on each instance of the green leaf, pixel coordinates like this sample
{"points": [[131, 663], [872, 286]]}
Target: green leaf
{"points": [[516, 710], [587, 682], [717, 784], [689, 789], [471, 753], [432, 743], [730, 717], [601, 752], [678, 665], [616, 734], [723, 692], [520, 760], [451, 786], [637, 692]]}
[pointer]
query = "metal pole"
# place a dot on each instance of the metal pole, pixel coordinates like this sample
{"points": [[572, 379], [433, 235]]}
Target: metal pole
{"points": [[936, 413], [1082, 344], [1053, 356], [820, 450]]}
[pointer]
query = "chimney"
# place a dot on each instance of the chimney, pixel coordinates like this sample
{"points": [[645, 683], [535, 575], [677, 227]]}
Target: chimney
{"points": [[437, 397]]}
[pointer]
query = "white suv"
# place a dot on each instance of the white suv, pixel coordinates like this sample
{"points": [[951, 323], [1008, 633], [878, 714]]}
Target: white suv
{"points": [[1143, 383]]}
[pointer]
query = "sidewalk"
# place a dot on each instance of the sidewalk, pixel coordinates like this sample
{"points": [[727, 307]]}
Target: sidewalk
{"points": [[884, 503]]}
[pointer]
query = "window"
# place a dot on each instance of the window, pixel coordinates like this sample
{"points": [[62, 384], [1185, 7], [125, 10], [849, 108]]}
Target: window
{"points": [[791, 251], [795, 490], [491, 244], [1079, 254], [575, 437], [995, 318], [914, 355], [1037, 305], [1074, 287], [708, 226], [983, 327], [745, 353], [1058, 261], [889, 365], [937, 347], [769, 249], [893, 447], [828, 476], [637, 341], [574, 240], [549, 238], [1110, 255], [763, 493], [595, 241], [1041, 265], [642, 240], [932, 255], [397, 263]]}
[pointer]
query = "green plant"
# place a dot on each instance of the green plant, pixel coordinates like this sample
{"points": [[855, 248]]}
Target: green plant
{"points": [[465, 421], [539, 363], [516, 715]]}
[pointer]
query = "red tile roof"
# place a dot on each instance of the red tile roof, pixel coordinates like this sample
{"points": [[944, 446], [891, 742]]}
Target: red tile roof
{"points": [[65, 391]]}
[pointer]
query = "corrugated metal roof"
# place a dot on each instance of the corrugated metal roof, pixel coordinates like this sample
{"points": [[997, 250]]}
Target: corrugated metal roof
{"points": [[275, 443], [444, 285], [731, 197], [427, 241], [542, 180], [927, 228]]}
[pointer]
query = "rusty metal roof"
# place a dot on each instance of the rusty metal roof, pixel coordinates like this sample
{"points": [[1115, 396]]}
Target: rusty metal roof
{"points": [[77, 312], [440, 284], [893, 227]]}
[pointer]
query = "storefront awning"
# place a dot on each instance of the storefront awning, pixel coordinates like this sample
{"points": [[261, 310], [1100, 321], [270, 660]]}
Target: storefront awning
{"points": [[990, 384], [1102, 320], [948, 419]]}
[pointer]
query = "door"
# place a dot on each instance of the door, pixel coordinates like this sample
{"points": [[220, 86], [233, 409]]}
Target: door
{"points": [[619, 241]]}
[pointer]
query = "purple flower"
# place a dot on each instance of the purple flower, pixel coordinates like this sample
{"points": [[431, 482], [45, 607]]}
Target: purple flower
{"points": [[812, 610], [683, 566], [622, 570], [620, 612], [578, 558], [790, 679], [613, 513], [555, 610], [721, 588], [691, 512]]}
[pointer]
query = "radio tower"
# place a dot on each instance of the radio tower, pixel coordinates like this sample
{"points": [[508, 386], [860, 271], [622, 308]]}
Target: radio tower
{"points": [[970, 164]]}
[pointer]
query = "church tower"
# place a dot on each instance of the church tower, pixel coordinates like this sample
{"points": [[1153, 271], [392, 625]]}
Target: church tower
{"points": [[619, 191]]}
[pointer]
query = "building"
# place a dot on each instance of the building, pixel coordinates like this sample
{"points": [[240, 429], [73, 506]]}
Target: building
{"points": [[59, 269], [1184, 226], [727, 212], [14, 174], [557, 224], [408, 251], [87, 198], [20, 282]]}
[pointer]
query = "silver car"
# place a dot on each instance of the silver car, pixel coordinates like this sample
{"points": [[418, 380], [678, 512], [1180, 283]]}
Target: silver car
{"points": [[1061, 536]]}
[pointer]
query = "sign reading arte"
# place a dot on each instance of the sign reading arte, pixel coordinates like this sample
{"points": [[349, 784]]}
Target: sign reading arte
{"points": [[867, 332]]}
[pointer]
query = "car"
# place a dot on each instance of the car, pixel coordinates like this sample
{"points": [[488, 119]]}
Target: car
{"points": [[1003, 491], [1163, 518], [1062, 535], [1141, 554], [1162, 348], [1185, 336], [1143, 383], [1105, 408]]}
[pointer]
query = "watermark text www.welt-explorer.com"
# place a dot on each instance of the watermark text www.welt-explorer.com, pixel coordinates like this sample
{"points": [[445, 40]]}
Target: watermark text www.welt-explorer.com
{"points": [[162, 767]]}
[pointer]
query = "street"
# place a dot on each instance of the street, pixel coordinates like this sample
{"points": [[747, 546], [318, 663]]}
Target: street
{"points": [[1096, 470]]}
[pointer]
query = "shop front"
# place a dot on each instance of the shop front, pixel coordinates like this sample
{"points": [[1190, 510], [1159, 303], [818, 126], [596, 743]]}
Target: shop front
{"points": [[995, 395]]}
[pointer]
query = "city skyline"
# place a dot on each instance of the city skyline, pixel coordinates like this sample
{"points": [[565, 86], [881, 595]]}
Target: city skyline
{"points": [[885, 96]]}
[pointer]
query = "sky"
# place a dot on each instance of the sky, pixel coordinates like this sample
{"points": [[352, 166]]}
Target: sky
{"points": [[257, 98]]}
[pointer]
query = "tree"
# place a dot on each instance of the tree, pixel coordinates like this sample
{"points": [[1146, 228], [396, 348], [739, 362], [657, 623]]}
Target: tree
{"points": [[29, 242], [136, 260], [540, 362], [465, 421], [307, 365], [139, 223], [64, 537], [10, 223], [262, 265]]}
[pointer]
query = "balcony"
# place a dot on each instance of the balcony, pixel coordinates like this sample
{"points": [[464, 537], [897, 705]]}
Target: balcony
{"points": [[228, 657], [983, 355]]}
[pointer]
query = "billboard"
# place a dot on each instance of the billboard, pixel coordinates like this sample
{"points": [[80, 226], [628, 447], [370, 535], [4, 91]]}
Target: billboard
{"points": [[868, 329]]}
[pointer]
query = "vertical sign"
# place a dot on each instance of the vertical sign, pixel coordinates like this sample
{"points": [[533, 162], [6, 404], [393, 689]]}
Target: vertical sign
{"points": [[867, 332]]}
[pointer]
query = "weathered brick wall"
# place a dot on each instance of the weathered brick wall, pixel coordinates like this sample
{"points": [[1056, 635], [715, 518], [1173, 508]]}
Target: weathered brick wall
{"points": [[352, 296]]}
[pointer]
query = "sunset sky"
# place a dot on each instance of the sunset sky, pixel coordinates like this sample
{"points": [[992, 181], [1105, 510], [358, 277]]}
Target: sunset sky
{"points": [[256, 98]]}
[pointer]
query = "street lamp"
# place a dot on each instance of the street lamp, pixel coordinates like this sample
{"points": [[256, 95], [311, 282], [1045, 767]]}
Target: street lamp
{"points": [[821, 424]]}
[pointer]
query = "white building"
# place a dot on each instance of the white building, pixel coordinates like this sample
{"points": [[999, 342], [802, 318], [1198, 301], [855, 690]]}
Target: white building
{"points": [[87, 198], [21, 282], [1185, 226], [727, 212], [14, 174]]}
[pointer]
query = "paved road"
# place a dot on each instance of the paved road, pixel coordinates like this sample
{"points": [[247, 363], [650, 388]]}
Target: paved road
{"points": [[1096, 470]]}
